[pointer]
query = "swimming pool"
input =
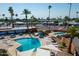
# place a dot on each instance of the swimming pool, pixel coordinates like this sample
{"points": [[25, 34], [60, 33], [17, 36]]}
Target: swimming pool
{"points": [[59, 33], [55, 34], [27, 44]]}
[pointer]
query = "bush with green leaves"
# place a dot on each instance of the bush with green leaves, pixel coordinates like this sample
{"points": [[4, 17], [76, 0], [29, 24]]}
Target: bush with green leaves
{"points": [[3, 52], [62, 45]]}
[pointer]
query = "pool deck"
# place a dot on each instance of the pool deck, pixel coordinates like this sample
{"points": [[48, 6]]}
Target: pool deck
{"points": [[12, 49]]}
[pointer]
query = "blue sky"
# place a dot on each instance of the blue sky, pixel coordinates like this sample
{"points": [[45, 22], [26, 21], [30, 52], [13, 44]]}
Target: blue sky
{"points": [[39, 9]]}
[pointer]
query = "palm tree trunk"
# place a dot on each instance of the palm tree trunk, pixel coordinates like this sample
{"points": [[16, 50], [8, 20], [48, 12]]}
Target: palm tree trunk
{"points": [[13, 25], [31, 23], [70, 44], [12, 21], [27, 26], [27, 23]]}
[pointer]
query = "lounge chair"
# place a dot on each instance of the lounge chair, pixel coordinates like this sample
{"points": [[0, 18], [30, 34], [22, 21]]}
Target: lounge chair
{"points": [[54, 43], [52, 53], [20, 34], [42, 52], [41, 34], [2, 37], [11, 32], [36, 34], [12, 36], [9, 43]]}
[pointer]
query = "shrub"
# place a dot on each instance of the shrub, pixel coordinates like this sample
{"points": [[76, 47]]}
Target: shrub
{"points": [[3, 52], [62, 45]]}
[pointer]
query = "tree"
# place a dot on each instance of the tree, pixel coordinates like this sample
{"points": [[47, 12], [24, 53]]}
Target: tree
{"points": [[6, 19], [56, 22], [66, 20], [3, 16], [33, 20], [76, 20], [26, 12], [72, 31], [16, 15], [77, 14], [59, 18], [11, 11], [3, 52]]}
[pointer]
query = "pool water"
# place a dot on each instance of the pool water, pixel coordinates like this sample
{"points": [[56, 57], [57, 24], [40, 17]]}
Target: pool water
{"points": [[28, 43], [59, 33]]}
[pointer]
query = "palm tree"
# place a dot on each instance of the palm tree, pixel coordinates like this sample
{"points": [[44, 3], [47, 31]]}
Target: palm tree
{"points": [[72, 31], [66, 20], [77, 14], [16, 15], [49, 7], [26, 12], [3, 19], [32, 18], [11, 11], [3, 15], [47, 23], [6, 20]]}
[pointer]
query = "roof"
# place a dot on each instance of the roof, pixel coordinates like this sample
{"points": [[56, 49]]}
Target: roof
{"points": [[73, 22], [16, 28], [1, 22], [19, 22]]}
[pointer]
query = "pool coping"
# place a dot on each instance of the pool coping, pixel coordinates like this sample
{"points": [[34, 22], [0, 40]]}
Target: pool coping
{"points": [[21, 44]]}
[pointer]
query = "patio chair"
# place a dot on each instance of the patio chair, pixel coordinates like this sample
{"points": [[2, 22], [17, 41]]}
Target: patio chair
{"points": [[41, 34], [12, 36], [9, 43], [20, 34], [2, 37], [52, 53], [36, 34]]}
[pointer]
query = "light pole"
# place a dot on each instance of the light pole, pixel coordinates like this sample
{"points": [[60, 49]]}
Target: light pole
{"points": [[49, 7], [70, 5], [70, 9]]}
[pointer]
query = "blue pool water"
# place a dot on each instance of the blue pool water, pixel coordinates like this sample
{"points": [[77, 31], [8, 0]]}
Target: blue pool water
{"points": [[62, 33], [28, 43]]}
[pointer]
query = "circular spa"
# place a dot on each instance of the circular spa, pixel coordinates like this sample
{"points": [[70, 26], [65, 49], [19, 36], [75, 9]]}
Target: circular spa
{"points": [[27, 44]]}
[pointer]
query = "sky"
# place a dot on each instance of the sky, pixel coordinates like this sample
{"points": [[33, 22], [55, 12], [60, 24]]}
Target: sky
{"points": [[39, 10]]}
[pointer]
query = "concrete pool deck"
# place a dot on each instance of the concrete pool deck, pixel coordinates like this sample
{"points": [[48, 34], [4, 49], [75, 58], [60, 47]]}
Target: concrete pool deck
{"points": [[13, 52]]}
